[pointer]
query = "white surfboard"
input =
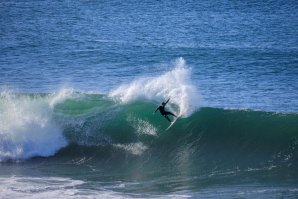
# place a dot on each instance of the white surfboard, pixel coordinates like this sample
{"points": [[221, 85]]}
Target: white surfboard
{"points": [[173, 122]]}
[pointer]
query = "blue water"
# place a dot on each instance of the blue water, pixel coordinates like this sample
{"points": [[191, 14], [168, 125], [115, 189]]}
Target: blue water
{"points": [[243, 54], [226, 55]]}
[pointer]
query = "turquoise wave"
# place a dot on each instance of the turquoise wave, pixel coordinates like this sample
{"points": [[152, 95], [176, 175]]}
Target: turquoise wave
{"points": [[103, 129], [73, 126]]}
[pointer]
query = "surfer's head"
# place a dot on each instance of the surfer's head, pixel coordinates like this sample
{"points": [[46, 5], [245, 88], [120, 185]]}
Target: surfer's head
{"points": [[163, 103]]}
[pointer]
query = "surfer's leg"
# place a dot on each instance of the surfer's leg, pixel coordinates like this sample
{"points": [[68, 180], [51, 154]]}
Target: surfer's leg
{"points": [[169, 113], [167, 118]]}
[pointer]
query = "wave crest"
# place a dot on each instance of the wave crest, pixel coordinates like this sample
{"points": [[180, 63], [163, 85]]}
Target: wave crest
{"points": [[27, 128], [175, 84]]}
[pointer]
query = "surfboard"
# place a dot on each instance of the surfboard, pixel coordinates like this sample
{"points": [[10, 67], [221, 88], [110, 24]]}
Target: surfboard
{"points": [[172, 123]]}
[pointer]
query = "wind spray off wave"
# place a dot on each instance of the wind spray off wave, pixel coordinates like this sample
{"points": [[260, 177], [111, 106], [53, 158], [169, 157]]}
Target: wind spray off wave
{"points": [[175, 84]]}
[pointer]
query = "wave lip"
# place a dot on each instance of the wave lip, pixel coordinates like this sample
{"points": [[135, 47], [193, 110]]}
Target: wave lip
{"points": [[175, 84]]}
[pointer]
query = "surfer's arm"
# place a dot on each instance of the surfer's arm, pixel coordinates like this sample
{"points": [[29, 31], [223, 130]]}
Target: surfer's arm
{"points": [[167, 101], [156, 110]]}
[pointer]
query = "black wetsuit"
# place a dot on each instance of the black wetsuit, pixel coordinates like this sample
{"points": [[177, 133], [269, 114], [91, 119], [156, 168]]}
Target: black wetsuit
{"points": [[164, 113]]}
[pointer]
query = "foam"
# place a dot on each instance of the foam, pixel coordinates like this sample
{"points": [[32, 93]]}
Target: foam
{"points": [[35, 187], [27, 128], [59, 187], [137, 148], [142, 127], [60, 96], [175, 84]]}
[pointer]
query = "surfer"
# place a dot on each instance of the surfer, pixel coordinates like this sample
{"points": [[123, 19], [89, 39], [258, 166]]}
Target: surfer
{"points": [[164, 113]]}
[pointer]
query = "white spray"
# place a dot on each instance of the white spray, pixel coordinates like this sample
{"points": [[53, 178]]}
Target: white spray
{"points": [[175, 84], [27, 128]]}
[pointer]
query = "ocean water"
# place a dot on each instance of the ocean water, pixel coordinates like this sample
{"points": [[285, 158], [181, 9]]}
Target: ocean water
{"points": [[80, 80]]}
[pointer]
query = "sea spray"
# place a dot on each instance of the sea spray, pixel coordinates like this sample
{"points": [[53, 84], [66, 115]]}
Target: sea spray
{"points": [[175, 84], [27, 128], [142, 127], [60, 96]]}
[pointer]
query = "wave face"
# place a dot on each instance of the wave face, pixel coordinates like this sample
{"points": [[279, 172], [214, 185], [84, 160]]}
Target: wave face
{"points": [[101, 128], [224, 137]]}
